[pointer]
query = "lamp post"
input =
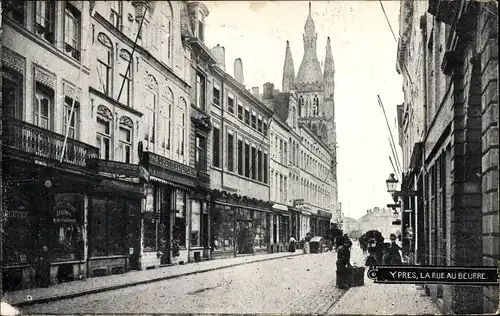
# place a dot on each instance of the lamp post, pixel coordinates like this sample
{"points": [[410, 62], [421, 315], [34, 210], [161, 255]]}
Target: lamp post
{"points": [[392, 183]]}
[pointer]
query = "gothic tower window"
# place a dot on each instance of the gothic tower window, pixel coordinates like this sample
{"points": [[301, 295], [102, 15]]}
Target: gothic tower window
{"points": [[308, 106], [301, 105], [316, 105]]}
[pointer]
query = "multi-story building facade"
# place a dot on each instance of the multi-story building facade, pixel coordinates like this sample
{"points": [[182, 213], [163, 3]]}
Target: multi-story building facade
{"points": [[45, 72], [104, 120], [240, 218], [448, 57]]}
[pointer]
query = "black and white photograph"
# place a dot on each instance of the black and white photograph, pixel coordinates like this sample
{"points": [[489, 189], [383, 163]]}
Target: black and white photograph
{"points": [[249, 157]]}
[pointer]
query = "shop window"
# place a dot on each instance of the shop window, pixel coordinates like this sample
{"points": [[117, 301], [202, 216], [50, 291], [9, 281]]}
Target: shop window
{"points": [[107, 227], [14, 9], [149, 221], [72, 31], [68, 242], [222, 228], [19, 224], [195, 223], [45, 19], [180, 218], [260, 228], [240, 157], [284, 229], [216, 147]]}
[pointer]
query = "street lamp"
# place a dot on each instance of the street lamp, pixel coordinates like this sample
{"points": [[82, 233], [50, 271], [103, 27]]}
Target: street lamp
{"points": [[392, 183]]}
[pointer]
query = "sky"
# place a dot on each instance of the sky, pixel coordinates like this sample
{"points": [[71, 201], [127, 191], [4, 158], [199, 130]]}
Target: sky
{"points": [[364, 52]]}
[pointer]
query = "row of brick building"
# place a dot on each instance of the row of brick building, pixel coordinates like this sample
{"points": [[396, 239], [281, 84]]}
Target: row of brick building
{"points": [[448, 129], [126, 145]]}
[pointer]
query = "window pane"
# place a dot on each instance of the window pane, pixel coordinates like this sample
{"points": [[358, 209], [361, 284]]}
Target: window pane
{"points": [[195, 223]]}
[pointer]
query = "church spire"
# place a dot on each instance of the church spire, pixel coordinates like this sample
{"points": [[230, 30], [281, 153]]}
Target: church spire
{"points": [[329, 73], [309, 70], [288, 71]]}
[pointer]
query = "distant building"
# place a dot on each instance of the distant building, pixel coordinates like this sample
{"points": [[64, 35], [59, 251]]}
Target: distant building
{"points": [[378, 219]]}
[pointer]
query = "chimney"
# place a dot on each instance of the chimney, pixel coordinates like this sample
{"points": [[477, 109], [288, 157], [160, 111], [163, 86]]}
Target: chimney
{"points": [[238, 71], [220, 54], [256, 92], [268, 95]]}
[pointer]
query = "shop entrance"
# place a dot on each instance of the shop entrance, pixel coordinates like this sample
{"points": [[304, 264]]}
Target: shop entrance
{"points": [[245, 236]]}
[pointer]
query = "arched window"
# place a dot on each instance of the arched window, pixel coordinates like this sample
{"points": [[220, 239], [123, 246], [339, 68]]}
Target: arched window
{"points": [[105, 63], [125, 68], [125, 135], [181, 127], [166, 110], [104, 132], [301, 105], [151, 104], [316, 105]]}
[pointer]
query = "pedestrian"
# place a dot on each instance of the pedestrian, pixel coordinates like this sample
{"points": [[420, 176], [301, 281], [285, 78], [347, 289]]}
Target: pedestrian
{"points": [[307, 246], [392, 250], [291, 244], [344, 266]]}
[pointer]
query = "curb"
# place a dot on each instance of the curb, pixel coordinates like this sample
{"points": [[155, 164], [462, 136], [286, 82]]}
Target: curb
{"points": [[121, 286]]}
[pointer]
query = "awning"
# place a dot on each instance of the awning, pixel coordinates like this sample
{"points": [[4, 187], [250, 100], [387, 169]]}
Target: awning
{"points": [[280, 207], [169, 183], [128, 187]]}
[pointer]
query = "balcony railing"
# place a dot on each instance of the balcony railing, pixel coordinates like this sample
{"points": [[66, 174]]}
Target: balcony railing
{"points": [[45, 144]]}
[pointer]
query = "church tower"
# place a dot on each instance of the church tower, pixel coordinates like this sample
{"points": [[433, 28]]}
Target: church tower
{"points": [[316, 91], [309, 81]]}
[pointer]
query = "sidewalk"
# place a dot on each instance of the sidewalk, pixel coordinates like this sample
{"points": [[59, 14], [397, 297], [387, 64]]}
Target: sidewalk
{"points": [[113, 282], [382, 299]]}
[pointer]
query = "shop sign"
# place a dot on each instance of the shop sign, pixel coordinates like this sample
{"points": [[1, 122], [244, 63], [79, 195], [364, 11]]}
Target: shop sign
{"points": [[118, 168], [17, 214], [65, 213]]}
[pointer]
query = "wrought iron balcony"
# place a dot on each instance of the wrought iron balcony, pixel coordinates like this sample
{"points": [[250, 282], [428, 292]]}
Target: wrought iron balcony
{"points": [[44, 144]]}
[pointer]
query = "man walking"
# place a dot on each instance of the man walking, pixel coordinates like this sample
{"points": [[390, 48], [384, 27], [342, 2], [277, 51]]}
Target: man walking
{"points": [[344, 265]]}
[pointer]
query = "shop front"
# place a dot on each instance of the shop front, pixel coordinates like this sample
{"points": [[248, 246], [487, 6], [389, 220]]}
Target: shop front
{"points": [[44, 230], [295, 223], [323, 223], [240, 226], [166, 211]]}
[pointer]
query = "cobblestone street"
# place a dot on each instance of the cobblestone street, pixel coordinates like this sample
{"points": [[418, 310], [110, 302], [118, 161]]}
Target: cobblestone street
{"points": [[302, 284]]}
